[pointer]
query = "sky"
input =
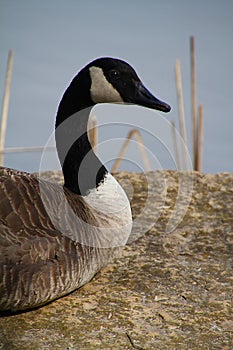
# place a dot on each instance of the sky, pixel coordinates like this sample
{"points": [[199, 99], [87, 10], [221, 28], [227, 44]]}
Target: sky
{"points": [[52, 40]]}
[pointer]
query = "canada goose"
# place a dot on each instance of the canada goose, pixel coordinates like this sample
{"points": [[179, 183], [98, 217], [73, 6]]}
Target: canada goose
{"points": [[55, 238]]}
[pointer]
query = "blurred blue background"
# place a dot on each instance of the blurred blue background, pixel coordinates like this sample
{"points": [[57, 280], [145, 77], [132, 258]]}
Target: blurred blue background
{"points": [[52, 40]]}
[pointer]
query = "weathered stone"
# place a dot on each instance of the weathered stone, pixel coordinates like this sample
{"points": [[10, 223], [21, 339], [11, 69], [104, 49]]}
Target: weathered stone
{"points": [[171, 288]]}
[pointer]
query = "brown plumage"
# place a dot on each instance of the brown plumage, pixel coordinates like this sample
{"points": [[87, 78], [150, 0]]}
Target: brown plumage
{"points": [[38, 263]]}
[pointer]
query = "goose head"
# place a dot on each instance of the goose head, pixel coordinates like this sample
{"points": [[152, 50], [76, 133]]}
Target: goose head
{"points": [[104, 80], [115, 81]]}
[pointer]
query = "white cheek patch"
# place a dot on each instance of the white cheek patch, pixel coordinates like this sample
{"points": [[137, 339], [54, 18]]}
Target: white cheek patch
{"points": [[101, 89]]}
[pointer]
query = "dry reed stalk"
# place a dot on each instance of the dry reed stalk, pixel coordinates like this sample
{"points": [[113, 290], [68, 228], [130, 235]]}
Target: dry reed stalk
{"points": [[193, 100], [181, 113], [27, 149], [93, 132], [175, 145], [5, 105], [124, 147], [200, 138]]}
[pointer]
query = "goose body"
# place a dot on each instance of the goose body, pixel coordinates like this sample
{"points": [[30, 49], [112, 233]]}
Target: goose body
{"points": [[53, 239]]}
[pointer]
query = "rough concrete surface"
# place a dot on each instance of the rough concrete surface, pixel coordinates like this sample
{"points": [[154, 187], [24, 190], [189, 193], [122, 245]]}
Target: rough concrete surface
{"points": [[171, 288]]}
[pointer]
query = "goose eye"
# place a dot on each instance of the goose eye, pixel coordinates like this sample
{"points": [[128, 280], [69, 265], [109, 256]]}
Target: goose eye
{"points": [[114, 74]]}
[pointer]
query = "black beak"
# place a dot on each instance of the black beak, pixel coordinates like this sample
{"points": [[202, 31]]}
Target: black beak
{"points": [[144, 97]]}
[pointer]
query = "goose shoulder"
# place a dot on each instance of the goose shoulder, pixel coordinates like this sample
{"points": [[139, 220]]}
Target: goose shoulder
{"points": [[49, 210], [42, 248]]}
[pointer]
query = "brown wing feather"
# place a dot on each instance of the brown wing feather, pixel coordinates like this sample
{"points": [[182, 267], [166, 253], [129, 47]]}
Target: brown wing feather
{"points": [[39, 263]]}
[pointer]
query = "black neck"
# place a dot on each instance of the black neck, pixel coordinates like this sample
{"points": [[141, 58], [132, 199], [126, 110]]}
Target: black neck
{"points": [[81, 168]]}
